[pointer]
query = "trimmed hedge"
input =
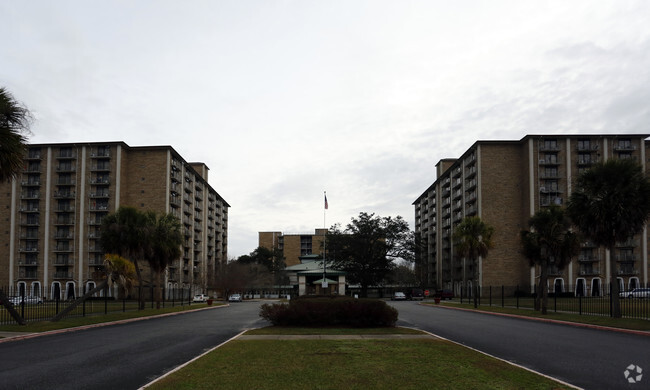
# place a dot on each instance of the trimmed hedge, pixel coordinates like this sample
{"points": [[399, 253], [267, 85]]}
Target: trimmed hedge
{"points": [[330, 311]]}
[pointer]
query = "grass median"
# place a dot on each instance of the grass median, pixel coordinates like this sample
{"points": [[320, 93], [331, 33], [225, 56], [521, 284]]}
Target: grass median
{"points": [[351, 364]]}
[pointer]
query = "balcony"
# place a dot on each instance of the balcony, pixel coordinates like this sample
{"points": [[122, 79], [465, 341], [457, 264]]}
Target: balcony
{"points": [[549, 147], [627, 272], [64, 208], [589, 272], [27, 273], [550, 161], [28, 263], [32, 168], [31, 195], [586, 147], [100, 180], [588, 259], [66, 181], [29, 209], [65, 154], [33, 155], [63, 262], [64, 221], [64, 194], [63, 249], [95, 262], [63, 275], [98, 207], [31, 182], [66, 168], [624, 147], [99, 153], [100, 168], [63, 235], [28, 249]]}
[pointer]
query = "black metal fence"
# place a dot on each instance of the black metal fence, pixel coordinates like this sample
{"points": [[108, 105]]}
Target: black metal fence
{"points": [[35, 308], [635, 303]]}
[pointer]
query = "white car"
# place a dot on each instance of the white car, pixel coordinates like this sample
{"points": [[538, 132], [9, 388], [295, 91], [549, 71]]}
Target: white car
{"points": [[636, 293], [28, 300], [200, 298], [234, 298]]}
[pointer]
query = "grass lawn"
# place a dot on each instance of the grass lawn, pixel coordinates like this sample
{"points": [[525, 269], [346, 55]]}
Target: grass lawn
{"points": [[349, 364]]}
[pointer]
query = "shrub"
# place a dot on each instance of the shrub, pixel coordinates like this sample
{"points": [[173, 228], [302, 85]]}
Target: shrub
{"points": [[330, 311]]}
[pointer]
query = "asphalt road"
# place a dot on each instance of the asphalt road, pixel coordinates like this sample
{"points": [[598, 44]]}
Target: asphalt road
{"points": [[588, 358], [124, 356]]}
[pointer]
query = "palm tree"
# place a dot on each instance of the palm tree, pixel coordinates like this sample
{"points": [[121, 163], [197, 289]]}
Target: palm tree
{"points": [[164, 246], [14, 125], [550, 242], [473, 239], [117, 270], [125, 233], [611, 203]]}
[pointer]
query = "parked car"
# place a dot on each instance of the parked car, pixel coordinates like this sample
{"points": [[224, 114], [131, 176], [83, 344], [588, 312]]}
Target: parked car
{"points": [[29, 300], [636, 293], [445, 294], [200, 298], [398, 296], [235, 298], [415, 294]]}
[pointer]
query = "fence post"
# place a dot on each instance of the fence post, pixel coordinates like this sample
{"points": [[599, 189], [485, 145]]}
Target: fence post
{"points": [[490, 295], [517, 294], [580, 304], [611, 298], [106, 299], [22, 303], [503, 302]]}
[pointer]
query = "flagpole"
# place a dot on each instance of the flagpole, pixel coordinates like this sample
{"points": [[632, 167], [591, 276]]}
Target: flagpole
{"points": [[324, 285]]}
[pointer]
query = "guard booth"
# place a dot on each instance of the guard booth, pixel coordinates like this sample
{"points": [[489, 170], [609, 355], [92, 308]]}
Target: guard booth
{"points": [[308, 277]]}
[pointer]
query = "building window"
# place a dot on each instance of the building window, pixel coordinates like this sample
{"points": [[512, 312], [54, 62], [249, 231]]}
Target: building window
{"points": [[584, 144]]}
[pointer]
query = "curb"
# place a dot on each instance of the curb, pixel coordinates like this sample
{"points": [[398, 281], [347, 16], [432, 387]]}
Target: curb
{"points": [[549, 320], [101, 324]]}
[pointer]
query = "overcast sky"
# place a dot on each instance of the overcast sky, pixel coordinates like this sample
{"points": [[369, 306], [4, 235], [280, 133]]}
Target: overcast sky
{"points": [[284, 100]]}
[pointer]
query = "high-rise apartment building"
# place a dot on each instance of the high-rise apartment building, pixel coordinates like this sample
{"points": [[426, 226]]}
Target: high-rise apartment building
{"points": [[505, 183], [293, 245], [52, 213]]}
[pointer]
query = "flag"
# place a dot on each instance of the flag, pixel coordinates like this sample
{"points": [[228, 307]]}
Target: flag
{"points": [[325, 202]]}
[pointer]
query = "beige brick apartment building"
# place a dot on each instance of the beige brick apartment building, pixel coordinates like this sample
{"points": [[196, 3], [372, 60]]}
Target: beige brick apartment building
{"points": [[52, 214], [293, 245], [506, 182]]}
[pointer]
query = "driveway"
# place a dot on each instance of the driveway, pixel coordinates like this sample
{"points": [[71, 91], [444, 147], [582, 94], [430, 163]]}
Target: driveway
{"points": [[125, 356], [588, 358]]}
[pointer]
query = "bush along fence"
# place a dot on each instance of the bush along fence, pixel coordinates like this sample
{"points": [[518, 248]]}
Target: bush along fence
{"points": [[635, 303], [22, 308]]}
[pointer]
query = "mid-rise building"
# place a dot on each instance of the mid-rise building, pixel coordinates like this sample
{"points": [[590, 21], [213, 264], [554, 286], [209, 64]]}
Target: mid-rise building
{"points": [[505, 183], [52, 213], [294, 245]]}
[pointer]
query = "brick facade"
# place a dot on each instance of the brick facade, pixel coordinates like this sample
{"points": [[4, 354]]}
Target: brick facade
{"points": [[506, 182], [53, 213]]}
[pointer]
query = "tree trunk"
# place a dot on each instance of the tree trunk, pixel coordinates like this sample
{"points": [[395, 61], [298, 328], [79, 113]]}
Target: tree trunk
{"points": [[158, 289], [11, 309], [140, 296], [543, 291], [613, 282], [476, 288], [78, 301]]}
